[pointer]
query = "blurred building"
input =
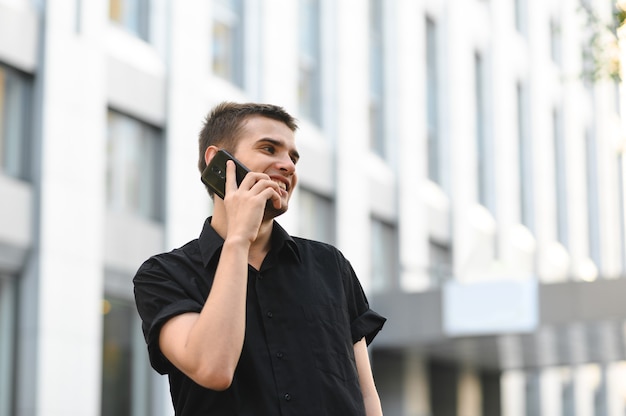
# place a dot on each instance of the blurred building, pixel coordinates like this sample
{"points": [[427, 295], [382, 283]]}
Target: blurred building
{"points": [[457, 152]]}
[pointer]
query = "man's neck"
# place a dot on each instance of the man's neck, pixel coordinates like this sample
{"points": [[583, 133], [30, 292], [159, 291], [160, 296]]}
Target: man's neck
{"points": [[259, 247]]}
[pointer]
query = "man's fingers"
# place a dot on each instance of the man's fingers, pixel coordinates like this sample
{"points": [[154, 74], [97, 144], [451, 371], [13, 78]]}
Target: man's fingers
{"points": [[258, 183], [273, 195], [231, 177]]}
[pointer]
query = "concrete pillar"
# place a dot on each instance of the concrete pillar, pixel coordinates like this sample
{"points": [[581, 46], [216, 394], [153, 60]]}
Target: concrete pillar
{"points": [[68, 277], [353, 222]]}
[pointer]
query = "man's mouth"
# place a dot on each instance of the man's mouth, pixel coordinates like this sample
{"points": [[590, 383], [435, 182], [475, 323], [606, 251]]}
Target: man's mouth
{"points": [[282, 185]]}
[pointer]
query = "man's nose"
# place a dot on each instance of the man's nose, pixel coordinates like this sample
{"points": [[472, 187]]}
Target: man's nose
{"points": [[286, 164]]}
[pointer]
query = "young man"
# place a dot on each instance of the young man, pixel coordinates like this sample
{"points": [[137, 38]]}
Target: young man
{"points": [[247, 320]]}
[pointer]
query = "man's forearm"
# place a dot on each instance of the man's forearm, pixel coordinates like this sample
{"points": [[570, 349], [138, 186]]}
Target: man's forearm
{"points": [[207, 346], [372, 406], [366, 380]]}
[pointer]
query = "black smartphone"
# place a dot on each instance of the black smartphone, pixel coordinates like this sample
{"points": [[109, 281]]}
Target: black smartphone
{"points": [[214, 175]]}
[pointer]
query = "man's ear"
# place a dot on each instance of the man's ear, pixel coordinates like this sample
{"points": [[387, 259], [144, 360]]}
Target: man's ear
{"points": [[209, 153]]}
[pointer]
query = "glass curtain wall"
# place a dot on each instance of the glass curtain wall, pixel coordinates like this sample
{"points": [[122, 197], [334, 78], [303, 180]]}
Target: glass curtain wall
{"points": [[385, 262], [134, 167], [309, 79], [15, 103], [125, 367], [317, 216], [377, 78], [227, 37], [560, 175], [131, 15], [8, 305], [432, 103]]}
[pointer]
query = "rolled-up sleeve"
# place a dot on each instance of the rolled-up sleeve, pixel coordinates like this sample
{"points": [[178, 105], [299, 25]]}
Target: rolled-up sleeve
{"points": [[364, 322], [158, 298]]}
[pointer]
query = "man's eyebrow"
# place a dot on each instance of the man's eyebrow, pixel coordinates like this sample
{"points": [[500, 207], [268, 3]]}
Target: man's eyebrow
{"points": [[294, 153]]}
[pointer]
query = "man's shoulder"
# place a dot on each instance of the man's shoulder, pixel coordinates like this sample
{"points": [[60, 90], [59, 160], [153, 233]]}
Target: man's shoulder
{"points": [[186, 250], [306, 242], [182, 254], [316, 247]]}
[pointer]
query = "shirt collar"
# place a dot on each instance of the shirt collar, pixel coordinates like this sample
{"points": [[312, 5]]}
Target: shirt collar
{"points": [[211, 242]]}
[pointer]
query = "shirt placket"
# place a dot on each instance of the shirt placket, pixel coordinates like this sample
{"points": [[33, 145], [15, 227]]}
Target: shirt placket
{"points": [[274, 319]]}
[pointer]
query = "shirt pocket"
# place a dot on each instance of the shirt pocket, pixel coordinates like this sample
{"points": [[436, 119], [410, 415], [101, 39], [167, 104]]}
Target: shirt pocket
{"points": [[331, 341]]}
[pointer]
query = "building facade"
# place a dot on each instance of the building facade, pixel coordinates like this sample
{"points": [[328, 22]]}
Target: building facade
{"points": [[460, 154]]}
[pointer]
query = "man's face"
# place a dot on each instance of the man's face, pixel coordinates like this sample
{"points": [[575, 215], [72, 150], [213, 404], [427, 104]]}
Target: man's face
{"points": [[268, 146]]}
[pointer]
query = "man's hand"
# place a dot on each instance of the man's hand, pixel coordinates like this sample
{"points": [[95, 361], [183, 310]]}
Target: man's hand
{"points": [[245, 205]]}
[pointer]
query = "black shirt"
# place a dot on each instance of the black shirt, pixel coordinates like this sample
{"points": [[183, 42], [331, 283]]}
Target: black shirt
{"points": [[305, 309]]}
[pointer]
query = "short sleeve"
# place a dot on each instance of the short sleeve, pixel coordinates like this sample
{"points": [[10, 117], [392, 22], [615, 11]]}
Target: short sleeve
{"points": [[367, 325], [364, 322], [158, 298]]}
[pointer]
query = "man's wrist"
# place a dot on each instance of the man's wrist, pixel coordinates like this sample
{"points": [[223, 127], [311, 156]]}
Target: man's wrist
{"points": [[237, 243]]}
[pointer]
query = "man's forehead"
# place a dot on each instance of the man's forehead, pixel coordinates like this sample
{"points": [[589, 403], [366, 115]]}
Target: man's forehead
{"points": [[263, 119], [265, 127]]}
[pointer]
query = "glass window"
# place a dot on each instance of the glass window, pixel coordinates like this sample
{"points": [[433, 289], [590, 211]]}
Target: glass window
{"points": [[525, 157], [384, 255], [568, 397], [8, 304], [601, 393], [560, 178], [440, 262], [377, 82], [520, 16], [309, 81], [589, 71], [78, 4], [125, 364], [483, 149], [432, 103], [593, 199], [533, 393], [617, 105], [555, 41], [15, 102], [621, 193], [134, 176], [132, 15], [317, 217], [228, 40]]}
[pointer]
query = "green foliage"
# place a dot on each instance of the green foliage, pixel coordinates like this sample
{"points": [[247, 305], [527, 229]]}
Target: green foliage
{"points": [[620, 16], [601, 55]]}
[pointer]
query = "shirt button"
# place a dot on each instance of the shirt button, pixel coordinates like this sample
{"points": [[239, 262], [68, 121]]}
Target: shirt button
{"points": [[287, 397], [280, 355], [270, 314]]}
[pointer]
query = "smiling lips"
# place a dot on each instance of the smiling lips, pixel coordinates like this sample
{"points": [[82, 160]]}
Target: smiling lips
{"points": [[282, 185]]}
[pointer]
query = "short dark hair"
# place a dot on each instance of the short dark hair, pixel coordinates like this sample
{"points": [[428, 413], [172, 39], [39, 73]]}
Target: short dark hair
{"points": [[224, 123]]}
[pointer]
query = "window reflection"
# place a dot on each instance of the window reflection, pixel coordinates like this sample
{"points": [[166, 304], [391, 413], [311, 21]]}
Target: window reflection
{"points": [[15, 89], [377, 83], [432, 103], [116, 358], [309, 60], [384, 255], [125, 368], [8, 303], [134, 167], [317, 217], [132, 15], [228, 40]]}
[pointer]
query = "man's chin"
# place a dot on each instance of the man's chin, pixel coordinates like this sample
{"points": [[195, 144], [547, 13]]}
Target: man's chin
{"points": [[272, 212]]}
